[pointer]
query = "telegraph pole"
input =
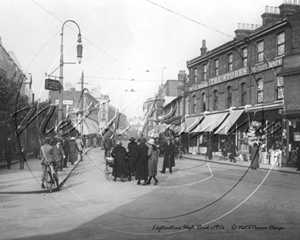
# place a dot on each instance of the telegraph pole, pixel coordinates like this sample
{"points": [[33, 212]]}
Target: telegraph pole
{"points": [[82, 86]]}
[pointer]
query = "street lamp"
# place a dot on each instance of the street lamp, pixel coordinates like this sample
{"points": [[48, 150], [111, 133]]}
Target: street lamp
{"points": [[61, 65]]}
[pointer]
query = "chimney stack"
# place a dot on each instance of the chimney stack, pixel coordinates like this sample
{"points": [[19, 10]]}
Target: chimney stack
{"points": [[203, 49], [271, 15], [289, 7]]}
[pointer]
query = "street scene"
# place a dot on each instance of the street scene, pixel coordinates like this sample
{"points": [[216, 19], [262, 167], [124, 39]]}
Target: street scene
{"points": [[142, 119]]}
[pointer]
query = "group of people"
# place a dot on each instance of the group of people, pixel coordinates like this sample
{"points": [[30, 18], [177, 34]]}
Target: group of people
{"points": [[59, 151], [139, 160]]}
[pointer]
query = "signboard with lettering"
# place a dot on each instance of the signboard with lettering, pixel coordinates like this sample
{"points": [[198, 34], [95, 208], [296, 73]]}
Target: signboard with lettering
{"points": [[203, 84], [265, 66], [65, 102], [229, 76], [51, 84]]}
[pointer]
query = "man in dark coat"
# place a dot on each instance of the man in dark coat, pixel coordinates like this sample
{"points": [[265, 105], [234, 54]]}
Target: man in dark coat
{"points": [[9, 149], [169, 150], [120, 168], [107, 145], [66, 147], [232, 150], [132, 145], [141, 162]]}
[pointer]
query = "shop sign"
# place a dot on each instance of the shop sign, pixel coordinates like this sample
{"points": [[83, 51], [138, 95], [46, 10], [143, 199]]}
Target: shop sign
{"points": [[203, 84], [65, 102], [280, 93], [229, 76], [297, 136], [265, 66], [280, 81]]}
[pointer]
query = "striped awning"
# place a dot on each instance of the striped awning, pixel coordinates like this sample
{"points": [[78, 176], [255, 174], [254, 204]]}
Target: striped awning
{"points": [[192, 122], [211, 122], [229, 122]]}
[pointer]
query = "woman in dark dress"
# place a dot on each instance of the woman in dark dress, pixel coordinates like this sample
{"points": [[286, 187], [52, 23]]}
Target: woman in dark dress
{"points": [[254, 157], [209, 149], [132, 145], [141, 162], [120, 168]]}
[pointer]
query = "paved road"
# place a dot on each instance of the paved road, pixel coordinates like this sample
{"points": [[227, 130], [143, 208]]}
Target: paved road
{"points": [[230, 202]]}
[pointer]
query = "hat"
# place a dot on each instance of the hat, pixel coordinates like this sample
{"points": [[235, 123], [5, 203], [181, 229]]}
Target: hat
{"points": [[151, 141], [72, 138], [47, 139], [143, 140], [132, 139]]}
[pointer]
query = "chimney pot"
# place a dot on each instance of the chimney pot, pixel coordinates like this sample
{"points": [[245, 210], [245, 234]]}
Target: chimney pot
{"points": [[267, 9], [247, 26], [239, 25], [243, 25], [271, 9]]}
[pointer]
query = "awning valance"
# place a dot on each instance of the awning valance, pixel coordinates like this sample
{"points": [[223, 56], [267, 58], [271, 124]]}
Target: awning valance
{"points": [[211, 122], [192, 122], [229, 122]]}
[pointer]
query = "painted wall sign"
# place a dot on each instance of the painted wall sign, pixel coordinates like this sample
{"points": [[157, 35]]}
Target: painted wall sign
{"points": [[265, 66], [229, 76]]}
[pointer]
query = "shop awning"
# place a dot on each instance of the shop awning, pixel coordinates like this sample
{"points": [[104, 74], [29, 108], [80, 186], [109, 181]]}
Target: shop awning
{"points": [[211, 122], [88, 126], [191, 123], [229, 122]]}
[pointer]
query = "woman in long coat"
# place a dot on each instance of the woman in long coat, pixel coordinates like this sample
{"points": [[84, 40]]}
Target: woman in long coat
{"points": [[141, 162], [120, 166], [131, 155], [254, 157], [152, 161], [169, 150], [209, 149]]}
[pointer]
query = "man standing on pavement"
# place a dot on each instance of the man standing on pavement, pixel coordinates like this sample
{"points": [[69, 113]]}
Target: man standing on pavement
{"points": [[58, 152], [132, 145], [47, 156], [66, 147], [141, 164], [9, 150], [80, 146], [169, 150]]}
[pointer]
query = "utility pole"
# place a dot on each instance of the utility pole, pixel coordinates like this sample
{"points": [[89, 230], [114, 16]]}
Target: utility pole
{"points": [[82, 86]]}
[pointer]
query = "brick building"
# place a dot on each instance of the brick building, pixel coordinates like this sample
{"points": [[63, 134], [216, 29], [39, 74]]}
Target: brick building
{"points": [[240, 85]]}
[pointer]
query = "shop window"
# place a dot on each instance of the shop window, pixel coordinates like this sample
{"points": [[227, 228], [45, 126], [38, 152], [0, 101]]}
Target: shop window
{"points": [[260, 51], [204, 76], [194, 105], [203, 102], [229, 97], [280, 44], [260, 91], [243, 94], [230, 62], [215, 107], [245, 57], [280, 88], [217, 67]]}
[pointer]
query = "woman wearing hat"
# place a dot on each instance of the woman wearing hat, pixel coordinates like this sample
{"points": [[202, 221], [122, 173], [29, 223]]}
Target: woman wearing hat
{"points": [[141, 162], [152, 161], [120, 167], [169, 150], [132, 145]]}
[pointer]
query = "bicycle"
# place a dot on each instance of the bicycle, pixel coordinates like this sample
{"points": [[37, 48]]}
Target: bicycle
{"points": [[51, 177]]}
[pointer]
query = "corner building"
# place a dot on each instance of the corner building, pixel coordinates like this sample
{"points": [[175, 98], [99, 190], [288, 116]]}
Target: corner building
{"points": [[247, 90]]}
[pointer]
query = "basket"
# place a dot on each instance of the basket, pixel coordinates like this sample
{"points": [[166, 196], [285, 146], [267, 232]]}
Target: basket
{"points": [[109, 161]]}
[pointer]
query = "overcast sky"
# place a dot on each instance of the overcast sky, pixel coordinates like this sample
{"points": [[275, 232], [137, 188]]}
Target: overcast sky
{"points": [[122, 40]]}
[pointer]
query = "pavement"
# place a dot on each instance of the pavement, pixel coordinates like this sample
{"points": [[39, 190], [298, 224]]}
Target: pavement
{"points": [[16, 181]]}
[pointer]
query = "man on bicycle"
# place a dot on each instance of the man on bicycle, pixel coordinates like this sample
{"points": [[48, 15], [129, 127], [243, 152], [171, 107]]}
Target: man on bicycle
{"points": [[47, 153]]}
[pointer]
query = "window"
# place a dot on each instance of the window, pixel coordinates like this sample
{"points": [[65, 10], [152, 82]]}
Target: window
{"points": [[217, 67], [229, 97], [260, 51], [280, 43], [280, 88], [195, 75], [260, 92], [203, 102], [215, 100], [194, 105], [230, 62], [245, 57], [243, 94], [204, 77]]}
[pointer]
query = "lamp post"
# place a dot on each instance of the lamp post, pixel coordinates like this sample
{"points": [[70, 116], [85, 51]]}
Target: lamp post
{"points": [[61, 65]]}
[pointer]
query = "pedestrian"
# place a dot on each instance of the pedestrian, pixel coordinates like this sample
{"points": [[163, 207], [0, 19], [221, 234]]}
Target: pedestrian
{"points": [[120, 169], [278, 155], [169, 150], [80, 147], [254, 157], [209, 150], [132, 145], [9, 150], [66, 148], [272, 155], [22, 155], [58, 152], [47, 156], [73, 150], [152, 161], [107, 145], [232, 150], [141, 162], [36, 152]]}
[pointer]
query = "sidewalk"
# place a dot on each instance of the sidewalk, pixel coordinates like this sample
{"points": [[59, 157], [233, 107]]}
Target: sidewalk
{"points": [[241, 163], [16, 181]]}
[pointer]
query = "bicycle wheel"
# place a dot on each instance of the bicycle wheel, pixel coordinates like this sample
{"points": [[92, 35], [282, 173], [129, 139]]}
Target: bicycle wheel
{"points": [[49, 181]]}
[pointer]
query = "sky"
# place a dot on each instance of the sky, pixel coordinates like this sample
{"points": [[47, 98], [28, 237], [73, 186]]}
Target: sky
{"points": [[127, 44]]}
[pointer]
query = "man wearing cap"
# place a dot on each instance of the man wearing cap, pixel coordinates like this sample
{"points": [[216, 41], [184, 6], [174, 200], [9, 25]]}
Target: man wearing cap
{"points": [[9, 150], [47, 152], [169, 150], [120, 169], [132, 145], [141, 162]]}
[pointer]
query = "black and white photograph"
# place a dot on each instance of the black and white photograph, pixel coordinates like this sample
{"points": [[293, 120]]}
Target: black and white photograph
{"points": [[149, 119]]}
